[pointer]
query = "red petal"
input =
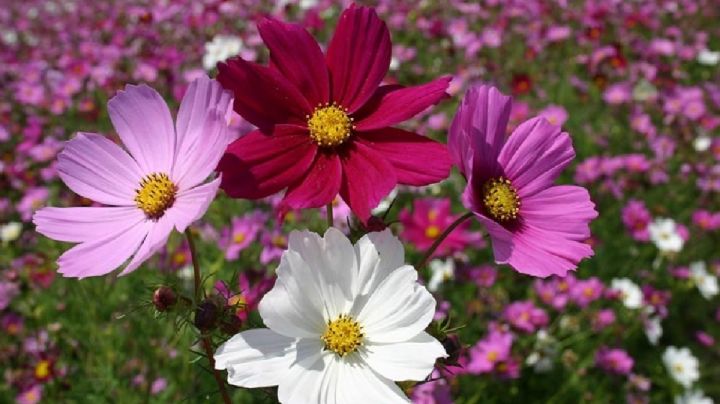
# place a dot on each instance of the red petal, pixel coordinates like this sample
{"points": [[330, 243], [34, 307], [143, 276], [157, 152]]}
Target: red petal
{"points": [[367, 179], [319, 186], [358, 56], [387, 108], [297, 56], [262, 95], [417, 160], [259, 165]]}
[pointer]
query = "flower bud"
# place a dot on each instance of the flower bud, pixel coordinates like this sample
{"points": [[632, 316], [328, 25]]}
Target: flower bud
{"points": [[453, 347], [164, 298], [207, 315]]}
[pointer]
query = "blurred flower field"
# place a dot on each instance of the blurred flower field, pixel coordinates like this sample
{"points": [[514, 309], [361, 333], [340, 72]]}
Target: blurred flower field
{"points": [[635, 84]]}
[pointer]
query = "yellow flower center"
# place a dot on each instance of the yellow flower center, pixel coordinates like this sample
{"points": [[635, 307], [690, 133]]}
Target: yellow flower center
{"points": [[156, 195], [279, 241], [492, 356], [343, 335], [501, 199], [330, 125], [239, 238], [432, 231], [42, 370]]}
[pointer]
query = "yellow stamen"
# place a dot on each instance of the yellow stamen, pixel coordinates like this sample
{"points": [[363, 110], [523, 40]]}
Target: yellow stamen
{"points": [[156, 195], [501, 199], [42, 370], [330, 125], [343, 335], [239, 238], [432, 231]]}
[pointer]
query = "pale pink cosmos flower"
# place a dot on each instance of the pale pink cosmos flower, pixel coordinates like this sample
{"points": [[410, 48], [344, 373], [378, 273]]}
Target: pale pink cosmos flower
{"points": [[536, 227], [159, 185]]}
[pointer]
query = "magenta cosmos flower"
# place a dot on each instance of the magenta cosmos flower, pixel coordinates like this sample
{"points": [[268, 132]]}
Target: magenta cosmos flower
{"points": [[538, 228], [324, 120], [158, 186]]}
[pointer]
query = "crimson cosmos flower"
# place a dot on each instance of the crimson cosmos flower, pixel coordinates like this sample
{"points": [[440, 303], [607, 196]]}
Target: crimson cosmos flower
{"points": [[324, 120]]}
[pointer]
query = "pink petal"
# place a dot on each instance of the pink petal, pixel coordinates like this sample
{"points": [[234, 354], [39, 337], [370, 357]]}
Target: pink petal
{"points": [[388, 108], [367, 178], [319, 186], [502, 238], [202, 131], [543, 253], [101, 256], [297, 56], [191, 204], [262, 95], [534, 155], [417, 160], [479, 128], [81, 224], [259, 165], [143, 122], [155, 240], [98, 169], [562, 209], [358, 56]]}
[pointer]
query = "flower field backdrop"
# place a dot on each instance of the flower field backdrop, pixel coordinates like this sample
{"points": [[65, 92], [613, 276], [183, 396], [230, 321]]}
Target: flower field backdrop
{"points": [[627, 312]]}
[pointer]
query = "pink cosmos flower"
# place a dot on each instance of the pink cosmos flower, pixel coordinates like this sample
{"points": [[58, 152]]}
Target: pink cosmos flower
{"points": [[325, 123], [492, 354], [159, 185], [426, 221], [538, 228], [525, 316], [585, 291], [241, 234], [636, 219], [614, 360]]}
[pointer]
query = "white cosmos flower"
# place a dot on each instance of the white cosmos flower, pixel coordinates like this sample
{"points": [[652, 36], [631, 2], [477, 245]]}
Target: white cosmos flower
{"points": [[706, 282], [682, 365], [708, 57], [344, 322], [702, 143], [653, 329], [630, 293], [693, 397], [665, 235], [10, 231], [220, 49], [441, 271]]}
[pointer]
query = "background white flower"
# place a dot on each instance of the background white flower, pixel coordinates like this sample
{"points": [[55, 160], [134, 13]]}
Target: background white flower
{"points": [[682, 365], [665, 235], [10, 231], [653, 329], [706, 283], [343, 321], [220, 49], [693, 397], [441, 271], [630, 293]]}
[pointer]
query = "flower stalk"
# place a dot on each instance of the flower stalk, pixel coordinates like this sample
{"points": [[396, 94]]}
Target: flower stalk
{"points": [[441, 238], [205, 339]]}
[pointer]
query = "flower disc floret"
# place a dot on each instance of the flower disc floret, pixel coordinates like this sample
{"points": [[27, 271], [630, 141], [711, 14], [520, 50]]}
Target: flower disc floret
{"points": [[343, 335], [330, 125], [155, 195], [501, 199]]}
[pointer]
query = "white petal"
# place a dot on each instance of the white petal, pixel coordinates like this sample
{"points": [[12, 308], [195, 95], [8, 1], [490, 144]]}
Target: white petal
{"points": [[293, 307], [410, 360], [398, 309], [359, 384], [256, 358], [378, 254], [304, 384], [332, 264]]}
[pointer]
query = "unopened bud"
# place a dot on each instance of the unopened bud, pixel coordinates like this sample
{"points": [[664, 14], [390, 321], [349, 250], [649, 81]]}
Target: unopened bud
{"points": [[164, 298], [375, 223], [453, 347], [207, 315]]}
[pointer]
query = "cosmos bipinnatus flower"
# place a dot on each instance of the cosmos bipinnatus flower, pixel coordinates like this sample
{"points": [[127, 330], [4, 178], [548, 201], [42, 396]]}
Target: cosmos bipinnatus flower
{"points": [[344, 322]]}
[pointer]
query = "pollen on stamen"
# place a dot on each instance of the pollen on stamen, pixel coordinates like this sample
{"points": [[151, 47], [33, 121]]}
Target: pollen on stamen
{"points": [[330, 125], [343, 335], [501, 199], [155, 195]]}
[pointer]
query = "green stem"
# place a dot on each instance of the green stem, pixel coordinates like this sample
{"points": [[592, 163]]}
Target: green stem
{"points": [[205, 339], [441, 238], [330, 219]]}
